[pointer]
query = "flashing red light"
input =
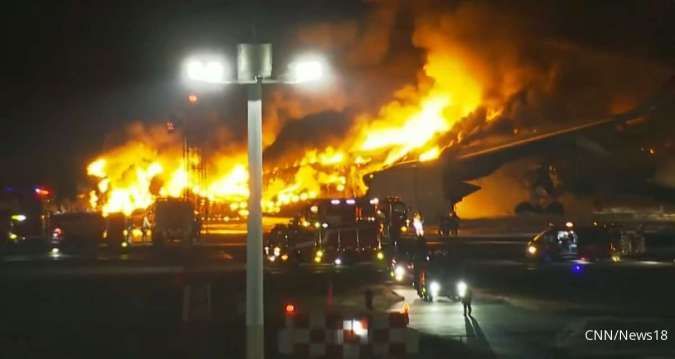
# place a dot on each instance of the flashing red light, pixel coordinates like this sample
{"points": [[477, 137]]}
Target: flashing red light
{"points": [[41, 191], [290, 309]]}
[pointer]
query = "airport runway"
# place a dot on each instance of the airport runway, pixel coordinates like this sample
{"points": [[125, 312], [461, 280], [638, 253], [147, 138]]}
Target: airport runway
{"points": [[498, 329], [521, 310]]}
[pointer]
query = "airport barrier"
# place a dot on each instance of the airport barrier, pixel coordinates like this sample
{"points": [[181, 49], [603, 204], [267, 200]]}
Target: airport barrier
{"points": [[341, 335]]}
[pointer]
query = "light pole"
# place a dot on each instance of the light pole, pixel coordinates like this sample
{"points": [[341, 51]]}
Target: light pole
{"points": [[254, 67]]}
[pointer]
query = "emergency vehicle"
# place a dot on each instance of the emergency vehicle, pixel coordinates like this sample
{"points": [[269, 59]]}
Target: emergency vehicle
{"points": [[174, 222], [331, 231], [597, 242], [348, 230]]}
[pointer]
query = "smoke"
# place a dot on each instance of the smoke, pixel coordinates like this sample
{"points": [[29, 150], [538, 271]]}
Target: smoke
{"points": [[408, 76], [525, 70], [316, 131], [530, 74], [368, 64]]}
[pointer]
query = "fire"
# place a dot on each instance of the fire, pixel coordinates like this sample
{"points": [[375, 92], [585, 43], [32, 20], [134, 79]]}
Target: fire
{"points": [[413, 126], [97, 168], [417, 118], [430, 155], [233, 184], [123, 197], [417, 128]]}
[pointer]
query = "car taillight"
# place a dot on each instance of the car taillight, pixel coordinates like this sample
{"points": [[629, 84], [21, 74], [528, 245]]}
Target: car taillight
{"points": [[57, 233]]}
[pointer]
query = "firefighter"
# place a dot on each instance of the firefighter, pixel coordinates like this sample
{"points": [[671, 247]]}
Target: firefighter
{"points": [[454, 221], [466, 300], [394, 224], [420, 259], [449, 224], [418, 224]]}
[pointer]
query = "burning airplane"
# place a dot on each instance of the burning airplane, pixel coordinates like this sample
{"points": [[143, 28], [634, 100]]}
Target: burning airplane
{"points": [[464, 89]]}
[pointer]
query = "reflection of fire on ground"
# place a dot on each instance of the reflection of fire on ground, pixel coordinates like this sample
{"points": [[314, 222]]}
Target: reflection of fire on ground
{"points": [[239, 227]]}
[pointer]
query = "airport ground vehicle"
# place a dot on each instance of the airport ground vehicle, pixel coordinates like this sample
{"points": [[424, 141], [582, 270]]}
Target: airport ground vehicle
{"points": [[555, 243], [23, 217], [174, 223], [115, 234], [76, 230], [592, 243], [334, 231], [437, 274], [339, 231], [405, 257], [348, 230], [290, 243], [394, 217]]}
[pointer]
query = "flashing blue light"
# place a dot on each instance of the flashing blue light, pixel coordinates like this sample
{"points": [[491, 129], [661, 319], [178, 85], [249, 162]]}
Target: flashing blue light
{"points": [[577, 268]]}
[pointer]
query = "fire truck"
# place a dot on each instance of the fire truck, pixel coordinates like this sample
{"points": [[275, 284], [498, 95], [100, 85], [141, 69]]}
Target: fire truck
{"points": [[348, 230], [291, 243], [394, 217], [80, 231], [174, 222], [23, 215], [337, 231], [330, 231]]}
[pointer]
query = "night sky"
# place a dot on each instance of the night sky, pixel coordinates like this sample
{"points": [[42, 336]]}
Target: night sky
{"points": [[75, 71]]}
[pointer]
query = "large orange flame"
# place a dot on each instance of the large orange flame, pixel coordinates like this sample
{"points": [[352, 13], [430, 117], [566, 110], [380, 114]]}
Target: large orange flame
{"points": [[409, 127]]}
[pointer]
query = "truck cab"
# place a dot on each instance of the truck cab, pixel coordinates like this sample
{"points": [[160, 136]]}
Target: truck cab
{"points": [[174, 222]]}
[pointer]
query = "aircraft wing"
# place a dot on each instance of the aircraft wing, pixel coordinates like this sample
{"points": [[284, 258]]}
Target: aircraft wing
{"points": [[658, 103]]}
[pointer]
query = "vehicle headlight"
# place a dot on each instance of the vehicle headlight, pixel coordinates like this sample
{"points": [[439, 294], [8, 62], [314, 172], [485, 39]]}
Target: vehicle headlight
{"points": [[434, 288], [404, 229], [19, 217], [338, 261], [399, 272], [380, 255], [461, 289], [531, 249]]}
